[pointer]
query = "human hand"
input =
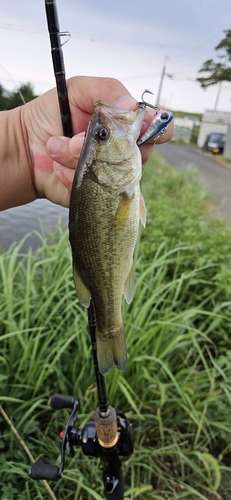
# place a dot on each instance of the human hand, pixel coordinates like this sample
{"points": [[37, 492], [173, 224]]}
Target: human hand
{"points": [[55, 157]]}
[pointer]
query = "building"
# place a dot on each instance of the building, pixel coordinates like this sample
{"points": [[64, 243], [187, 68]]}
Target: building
{"points": [[183, 128], [213, 121], [227, 148]]}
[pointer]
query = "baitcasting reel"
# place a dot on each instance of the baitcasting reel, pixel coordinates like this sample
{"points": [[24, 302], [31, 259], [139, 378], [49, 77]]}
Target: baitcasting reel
{"points": [[107, 437]]}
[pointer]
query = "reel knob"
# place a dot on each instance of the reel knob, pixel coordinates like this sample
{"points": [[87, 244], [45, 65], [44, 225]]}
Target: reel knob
{"points": [[40, 470]]}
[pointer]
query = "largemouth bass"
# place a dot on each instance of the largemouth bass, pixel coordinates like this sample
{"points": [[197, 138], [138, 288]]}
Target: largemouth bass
{"points": [[105, 208]]}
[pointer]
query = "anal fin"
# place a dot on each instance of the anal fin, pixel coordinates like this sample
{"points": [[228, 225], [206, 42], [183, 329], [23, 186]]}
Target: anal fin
{"points": [[82, 291]]}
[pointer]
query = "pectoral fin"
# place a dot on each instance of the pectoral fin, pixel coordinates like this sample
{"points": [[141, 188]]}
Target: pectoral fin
{"points": [[82, 291], [123, 211], [129, 286], [143, 210]]}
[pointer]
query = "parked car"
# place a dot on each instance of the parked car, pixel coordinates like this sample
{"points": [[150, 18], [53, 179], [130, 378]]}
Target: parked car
{"points": [[215, 142]]}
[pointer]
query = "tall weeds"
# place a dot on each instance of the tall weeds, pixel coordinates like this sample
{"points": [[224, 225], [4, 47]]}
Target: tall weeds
{"points": [[176, 388]]}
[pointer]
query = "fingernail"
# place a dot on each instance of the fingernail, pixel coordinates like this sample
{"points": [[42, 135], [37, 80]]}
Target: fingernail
{"points": [[53, 145], [58, 167], [126, 101]]}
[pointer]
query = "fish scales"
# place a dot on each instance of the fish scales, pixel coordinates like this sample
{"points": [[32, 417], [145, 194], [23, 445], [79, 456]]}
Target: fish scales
{"points": [[104, 220], [104, 280]]}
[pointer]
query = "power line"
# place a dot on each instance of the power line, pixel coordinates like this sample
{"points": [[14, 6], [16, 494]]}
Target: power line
{"points": [[201, 45], [10, 27], [16, 81]]}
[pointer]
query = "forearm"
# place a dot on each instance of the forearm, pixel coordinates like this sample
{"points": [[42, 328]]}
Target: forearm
{"points": [[16, 179]]}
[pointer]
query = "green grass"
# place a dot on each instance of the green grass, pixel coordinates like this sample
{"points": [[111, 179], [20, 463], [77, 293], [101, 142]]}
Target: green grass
{"points": [[182, 114], [177, 387]]}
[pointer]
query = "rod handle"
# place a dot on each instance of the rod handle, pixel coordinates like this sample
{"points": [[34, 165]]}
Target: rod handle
{"points": [[106, 428], [40, 470], [59, 401]]}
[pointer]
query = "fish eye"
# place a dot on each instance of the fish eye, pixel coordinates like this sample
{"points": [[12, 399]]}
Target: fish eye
{"points": [[101, 133]]}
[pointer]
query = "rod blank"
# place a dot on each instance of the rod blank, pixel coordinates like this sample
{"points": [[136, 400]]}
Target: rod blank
{"points": [[58, 64]]}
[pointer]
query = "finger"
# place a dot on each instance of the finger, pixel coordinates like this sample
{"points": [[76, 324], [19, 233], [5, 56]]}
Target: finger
{"points": [[64, 174], [146, 151], [84, 91], [147, 148], [126, 102], [64, 150]]}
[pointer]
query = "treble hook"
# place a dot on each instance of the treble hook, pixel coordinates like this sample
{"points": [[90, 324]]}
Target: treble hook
{"points": [[146, 91]]}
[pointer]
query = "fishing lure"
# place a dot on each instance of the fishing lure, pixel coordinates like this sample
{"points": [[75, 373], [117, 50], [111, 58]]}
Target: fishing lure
{"points": [[159, 123]]}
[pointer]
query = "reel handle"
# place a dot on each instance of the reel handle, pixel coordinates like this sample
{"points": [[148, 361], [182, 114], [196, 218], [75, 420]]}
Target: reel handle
{"points": [[40, 470], [59, 401]]}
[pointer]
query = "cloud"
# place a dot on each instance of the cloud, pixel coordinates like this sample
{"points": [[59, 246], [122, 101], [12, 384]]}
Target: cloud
{"points": [[131, 40]]}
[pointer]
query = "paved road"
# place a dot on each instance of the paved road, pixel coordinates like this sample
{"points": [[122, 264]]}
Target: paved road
{"points": [[215, 176]]}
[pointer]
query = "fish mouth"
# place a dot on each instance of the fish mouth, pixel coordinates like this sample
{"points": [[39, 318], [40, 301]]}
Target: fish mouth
{"points": [[123, 117]]}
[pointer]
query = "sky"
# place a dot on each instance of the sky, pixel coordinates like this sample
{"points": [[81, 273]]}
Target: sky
{"points": [[126, 39]]}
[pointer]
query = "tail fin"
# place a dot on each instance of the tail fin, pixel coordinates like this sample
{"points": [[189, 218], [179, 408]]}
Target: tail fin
{"points": [[111, 352]]}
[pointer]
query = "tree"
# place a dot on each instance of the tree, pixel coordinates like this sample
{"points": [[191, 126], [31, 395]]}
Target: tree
{"points": [[218, 71], [13, 100], [3, 98]]}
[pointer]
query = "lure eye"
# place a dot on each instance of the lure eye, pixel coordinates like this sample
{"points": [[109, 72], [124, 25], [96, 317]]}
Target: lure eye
{"points": [[164, 116], [101, 133]]}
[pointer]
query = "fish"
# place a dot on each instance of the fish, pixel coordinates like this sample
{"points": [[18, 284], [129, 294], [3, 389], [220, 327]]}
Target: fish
{"points": [[106, 206]]}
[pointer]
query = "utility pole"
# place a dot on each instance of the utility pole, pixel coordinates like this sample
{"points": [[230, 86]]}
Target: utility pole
{"points": [[218, 95], [163, 74]]}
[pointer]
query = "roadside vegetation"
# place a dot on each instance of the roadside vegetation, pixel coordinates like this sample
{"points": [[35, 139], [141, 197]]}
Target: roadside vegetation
{"points": [[176, 390], [10, 100]]}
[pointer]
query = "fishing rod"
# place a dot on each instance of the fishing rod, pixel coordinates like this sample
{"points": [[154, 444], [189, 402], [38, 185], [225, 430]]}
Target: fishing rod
{"points": [[110, 435], [58, 65]]}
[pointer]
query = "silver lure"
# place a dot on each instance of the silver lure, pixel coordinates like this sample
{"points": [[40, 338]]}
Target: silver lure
{"points": [[158, 125]]}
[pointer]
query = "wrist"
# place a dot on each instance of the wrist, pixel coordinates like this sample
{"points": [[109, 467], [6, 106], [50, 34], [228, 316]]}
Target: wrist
{"points": [[16, 186]]}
